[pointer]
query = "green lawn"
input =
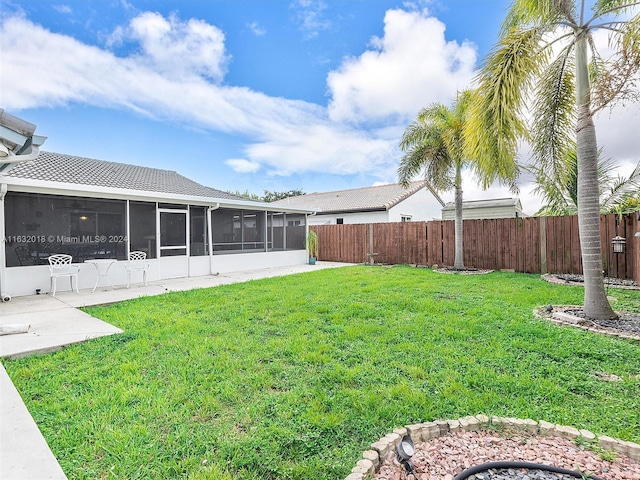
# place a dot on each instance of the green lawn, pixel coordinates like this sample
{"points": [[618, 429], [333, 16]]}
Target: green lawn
{"points": [[293, 377]]}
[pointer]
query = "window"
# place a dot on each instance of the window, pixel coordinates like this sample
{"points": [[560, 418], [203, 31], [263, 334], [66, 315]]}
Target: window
{"points": [[242, 231], [142, 228], [296, 231], [405, 218], [38, 225], [173, 233], [238, 231], [339, 221], [198, 226], [275, 231], [253, 230]]}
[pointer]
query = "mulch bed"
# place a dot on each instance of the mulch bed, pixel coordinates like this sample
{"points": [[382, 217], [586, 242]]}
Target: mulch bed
{"points": [[571, 279], [626, 326], [466, 271]]}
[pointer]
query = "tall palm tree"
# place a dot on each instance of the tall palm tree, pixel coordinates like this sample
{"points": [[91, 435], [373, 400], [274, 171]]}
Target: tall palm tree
{"points": [[547, 53], [435, 145]]}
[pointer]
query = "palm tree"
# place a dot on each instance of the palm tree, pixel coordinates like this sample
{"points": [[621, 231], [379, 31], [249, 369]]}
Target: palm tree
{"points": [[435, 145], [560, 191], [543, 55]]}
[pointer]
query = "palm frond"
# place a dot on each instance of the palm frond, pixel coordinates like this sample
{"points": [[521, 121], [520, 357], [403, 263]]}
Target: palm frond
{"points": [[426, 153], [620, 189], [617, 78], [604, 7], [554, 117], [526, 13], [559, 190], [495, 119]]}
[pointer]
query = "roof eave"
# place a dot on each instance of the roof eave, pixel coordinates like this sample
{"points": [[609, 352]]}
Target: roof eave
{"points": [[352, 210], [72, 189]]}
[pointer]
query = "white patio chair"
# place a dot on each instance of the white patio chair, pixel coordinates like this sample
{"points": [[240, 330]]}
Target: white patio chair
{"points": [[137, 263], [60, 266]]}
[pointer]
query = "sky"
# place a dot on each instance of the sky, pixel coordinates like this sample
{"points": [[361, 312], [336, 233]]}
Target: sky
{"points": [[254, 95]]}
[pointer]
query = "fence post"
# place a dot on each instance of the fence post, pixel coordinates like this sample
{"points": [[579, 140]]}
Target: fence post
{"points": [[371, 243], [543, 244], [636, 269]]}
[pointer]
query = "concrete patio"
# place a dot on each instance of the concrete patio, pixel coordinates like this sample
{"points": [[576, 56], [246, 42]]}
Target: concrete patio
{"points": [[56, 322]]}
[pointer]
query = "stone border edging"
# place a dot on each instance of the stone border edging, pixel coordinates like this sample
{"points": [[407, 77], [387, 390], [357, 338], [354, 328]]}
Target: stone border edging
{"points": [[567, 320], [551, 278], [422, 432]]}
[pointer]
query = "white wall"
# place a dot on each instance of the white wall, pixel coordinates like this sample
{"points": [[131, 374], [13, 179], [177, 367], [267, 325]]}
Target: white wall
{"points": [[21, 281], [349, 218], [422, 206], [239, 262], [482, 213]]}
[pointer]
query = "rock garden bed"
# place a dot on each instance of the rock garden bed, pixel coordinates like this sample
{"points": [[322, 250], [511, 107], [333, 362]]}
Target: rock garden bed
{"points": [[570, 279], [444, 449]]}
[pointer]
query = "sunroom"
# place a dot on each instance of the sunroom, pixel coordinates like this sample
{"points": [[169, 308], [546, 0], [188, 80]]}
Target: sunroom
{"points": [[97, 210]]}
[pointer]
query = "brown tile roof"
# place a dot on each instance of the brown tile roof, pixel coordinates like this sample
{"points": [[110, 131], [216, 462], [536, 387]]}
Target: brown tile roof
{"points": [[381, 197], [56, 167]]}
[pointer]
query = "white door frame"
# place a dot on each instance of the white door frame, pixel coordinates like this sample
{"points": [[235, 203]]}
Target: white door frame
{"points": [[173, 266]]}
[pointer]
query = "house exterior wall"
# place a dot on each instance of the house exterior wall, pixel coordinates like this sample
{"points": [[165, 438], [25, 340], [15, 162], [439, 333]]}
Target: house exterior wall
{"points": [[349, 218], [481, 213], [422, 206], [21, 281]]}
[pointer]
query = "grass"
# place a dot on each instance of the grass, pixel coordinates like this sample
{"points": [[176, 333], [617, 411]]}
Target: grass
{"points": [[293, 377]]}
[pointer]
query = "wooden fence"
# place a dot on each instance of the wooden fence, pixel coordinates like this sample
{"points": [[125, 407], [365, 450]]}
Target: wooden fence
{"points": [[530, 245]]}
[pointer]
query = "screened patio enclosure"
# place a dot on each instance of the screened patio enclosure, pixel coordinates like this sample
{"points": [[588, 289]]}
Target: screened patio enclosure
{"points": [[180, 239], [99, 211], [39, 225]]}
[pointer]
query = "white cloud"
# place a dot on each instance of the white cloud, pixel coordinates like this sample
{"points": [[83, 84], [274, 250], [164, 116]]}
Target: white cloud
{"points": [[242, 165], [410, 67], [256, 29], [176, 48], [309, 14], [322, 147], [66, 9]]}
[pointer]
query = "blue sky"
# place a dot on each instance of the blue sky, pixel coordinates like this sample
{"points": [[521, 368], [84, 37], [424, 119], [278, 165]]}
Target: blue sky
{"points": [[252, 94]]}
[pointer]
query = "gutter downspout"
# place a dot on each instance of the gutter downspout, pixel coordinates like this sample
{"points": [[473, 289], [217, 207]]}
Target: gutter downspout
{"points": [[210, 237], [25, 157], [10, 161], [4, 296]]}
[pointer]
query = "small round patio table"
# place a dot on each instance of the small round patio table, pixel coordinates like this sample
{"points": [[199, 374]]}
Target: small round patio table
{"points": [[103, 265]]}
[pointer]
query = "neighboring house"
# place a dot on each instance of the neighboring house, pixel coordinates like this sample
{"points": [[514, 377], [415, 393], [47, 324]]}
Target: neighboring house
{"points": [[485, 209], [380, 204], [92, 209]]}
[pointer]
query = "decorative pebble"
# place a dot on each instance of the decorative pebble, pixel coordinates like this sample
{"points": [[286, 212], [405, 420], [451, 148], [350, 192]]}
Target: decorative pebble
{"points": [[468, 448]]}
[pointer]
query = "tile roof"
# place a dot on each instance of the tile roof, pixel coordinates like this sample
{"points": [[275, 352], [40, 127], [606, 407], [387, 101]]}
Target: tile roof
{"points": [[381, 197], [56, 167]]}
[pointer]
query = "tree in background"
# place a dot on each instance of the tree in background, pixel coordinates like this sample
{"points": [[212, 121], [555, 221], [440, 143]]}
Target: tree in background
{"points": [[560, 192], [547, 53], [273, 196], [246, 194], [435, 145], [268, 195]]}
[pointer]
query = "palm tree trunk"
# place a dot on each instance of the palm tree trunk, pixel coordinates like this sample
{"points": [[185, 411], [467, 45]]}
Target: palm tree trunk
{"points": [[596, 305], [458, 262]]}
